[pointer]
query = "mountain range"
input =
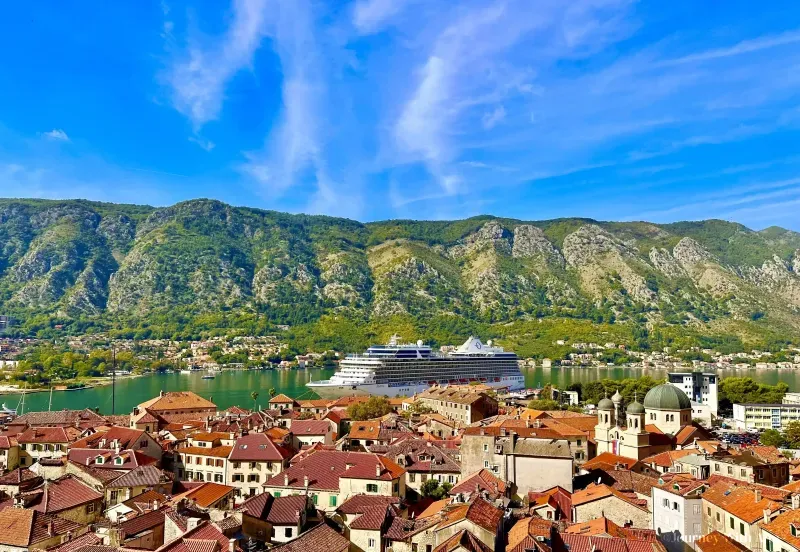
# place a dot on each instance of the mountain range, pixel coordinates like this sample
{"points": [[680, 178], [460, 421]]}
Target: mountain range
{"points": [[81, 260]]}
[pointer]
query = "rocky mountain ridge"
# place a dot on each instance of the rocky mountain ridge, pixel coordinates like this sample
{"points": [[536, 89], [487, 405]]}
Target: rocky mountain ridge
{"points": [[84, 259]]}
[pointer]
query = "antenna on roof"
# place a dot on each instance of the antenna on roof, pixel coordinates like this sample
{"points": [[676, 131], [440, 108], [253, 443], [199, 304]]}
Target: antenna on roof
{"points": [[113, 379]]}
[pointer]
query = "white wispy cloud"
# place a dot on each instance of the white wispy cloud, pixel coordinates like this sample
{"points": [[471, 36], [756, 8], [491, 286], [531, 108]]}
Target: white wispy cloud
{"points": [[370, 16], [492, 118], [207, 145], [57, 134], [741, 48], [199, 75]]}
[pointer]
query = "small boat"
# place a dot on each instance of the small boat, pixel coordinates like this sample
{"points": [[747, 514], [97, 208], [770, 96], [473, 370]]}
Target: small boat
{"points": [[208, 376]]}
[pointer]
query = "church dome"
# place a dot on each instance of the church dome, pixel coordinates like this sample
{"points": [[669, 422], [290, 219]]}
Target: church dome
{"points": [[667, 397], [617, 398], [635, 408], [605, 404]]}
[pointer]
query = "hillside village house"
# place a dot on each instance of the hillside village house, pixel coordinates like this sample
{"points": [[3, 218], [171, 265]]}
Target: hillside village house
{"points": [[459, 404], [121, 438], [330, 477], [782, 534], [252, 461], [422, 461], [9, 454], [33, 530], [365, 519], [620, 507], [276, 520], [764, 465]]}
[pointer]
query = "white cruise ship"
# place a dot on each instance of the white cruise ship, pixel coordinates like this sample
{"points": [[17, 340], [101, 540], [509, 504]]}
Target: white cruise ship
{"points": [[399, 369]]}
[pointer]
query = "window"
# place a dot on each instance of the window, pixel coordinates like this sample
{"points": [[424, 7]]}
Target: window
{"points": [[666, 503], [770, 546], [708, 511], [730, 470], [396, 487], [370, 543], [579, 442], [332, 500], [252, 477], [676, 506], [451, 479], [287, 532], [277, 494], [143, 443], [372, 488], [236, 465], [412, 477], [697, 529], [218, 477], [741, 528], [114, 495], [696, 509], [238, 478], [485, 447], [413, 547], [314, 499], [743, 473], [90, 508], [485, 463], [732, 523]]}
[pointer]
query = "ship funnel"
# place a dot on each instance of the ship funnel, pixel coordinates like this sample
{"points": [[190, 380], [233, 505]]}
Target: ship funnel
{"points": [[419, 343]]}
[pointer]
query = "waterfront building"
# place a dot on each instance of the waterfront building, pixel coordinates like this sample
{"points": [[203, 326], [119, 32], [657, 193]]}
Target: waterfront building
{"points": [[174, 405], [749, 416], [37, 443], [700, 387], [205, 459], [309, 432]]}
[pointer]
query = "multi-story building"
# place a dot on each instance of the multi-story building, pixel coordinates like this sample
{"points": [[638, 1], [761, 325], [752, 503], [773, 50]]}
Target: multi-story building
{"points": [[765, 416], [309, 432], [678, 511], [516, 455], [737, 511], [763, 465], [44, 442], [253, 460], [422, 461], [462, 405], [782, 534], [205, 459], [700, 387], [331, 477]]}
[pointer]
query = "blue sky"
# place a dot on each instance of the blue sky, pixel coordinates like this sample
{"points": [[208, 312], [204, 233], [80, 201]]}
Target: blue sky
{"points": [[375, 109]]}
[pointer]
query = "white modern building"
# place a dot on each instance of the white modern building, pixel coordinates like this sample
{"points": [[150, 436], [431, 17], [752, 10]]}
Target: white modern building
{"points": [[678, 511], [700, 387], [765, 416]]}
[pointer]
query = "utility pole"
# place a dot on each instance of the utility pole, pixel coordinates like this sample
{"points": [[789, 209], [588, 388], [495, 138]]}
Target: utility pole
{"points": [[113, 379]]}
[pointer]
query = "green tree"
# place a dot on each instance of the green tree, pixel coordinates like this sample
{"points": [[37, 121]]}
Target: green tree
{"points": [[374, 407], [771, 438], [544, 404], [431, 488], [791, 435], [272, 393], [254, 396]]}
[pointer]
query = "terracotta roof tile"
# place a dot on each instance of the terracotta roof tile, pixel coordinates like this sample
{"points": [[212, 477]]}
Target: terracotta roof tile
{"points": [[257, 447], [44, 435], [17, 476], [216, 452], [667, 458], [178, 400], [324, 468], [463, 540], [311, 427], [598, 492], [16, 526], [483, 480], [319, 539], [284, 509], [782, 525], [60, 418], [478, 511], [739, 501], [609, 460], [42, 524], [717, 542], [78, 543], [143, 476], [281, 399], [208, 493], [434, 508], [65, 493], [143, 522]]}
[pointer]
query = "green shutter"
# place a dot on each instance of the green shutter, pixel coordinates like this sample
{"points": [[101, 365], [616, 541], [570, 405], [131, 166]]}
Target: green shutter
{"points": [[332, 501]]}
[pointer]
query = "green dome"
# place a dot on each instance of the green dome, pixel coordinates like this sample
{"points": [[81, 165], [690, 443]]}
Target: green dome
{"points": [[667, 397], [635, 408], [605, 404]]}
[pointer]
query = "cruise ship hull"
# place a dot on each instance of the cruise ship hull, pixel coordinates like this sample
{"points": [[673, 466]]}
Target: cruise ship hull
{"points": [[328, 390]]}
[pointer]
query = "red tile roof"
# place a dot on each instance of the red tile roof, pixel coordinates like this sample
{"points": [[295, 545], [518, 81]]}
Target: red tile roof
{"points": [[717, 542], [483, 480], [178, 400], [16, 526], [319, 539], [44, 435], [463, 540], [18, 476], [257, 447], [479, 512], [324, 468], [373, 511], [143, 522], [609, 460], [284, 510], [78, 543], [311, 427], [124, 437], [209, 493], [281, 399], [65, 493]]}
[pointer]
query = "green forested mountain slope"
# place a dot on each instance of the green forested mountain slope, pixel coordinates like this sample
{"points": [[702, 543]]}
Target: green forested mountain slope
{"points": [[81, 264]]}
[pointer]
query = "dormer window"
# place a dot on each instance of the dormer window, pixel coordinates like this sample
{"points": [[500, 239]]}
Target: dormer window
{"points": [[118, 460], [99, 460]]}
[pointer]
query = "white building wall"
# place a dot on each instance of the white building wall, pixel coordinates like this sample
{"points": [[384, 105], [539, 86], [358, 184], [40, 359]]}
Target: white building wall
{"points": [[678, 521]]}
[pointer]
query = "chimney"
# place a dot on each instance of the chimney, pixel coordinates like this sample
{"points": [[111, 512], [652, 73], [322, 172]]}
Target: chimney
{"points": [[766, 515], [232, 545], [796, 502], [285, 480], [50, 532], [378, 469], [757, 494], [161, 393], [305, 481], [502, 432], [155, 504], [430, 444], [482, 432], [191, 523]]}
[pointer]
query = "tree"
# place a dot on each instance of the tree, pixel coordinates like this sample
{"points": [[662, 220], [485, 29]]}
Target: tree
{"points": [[374, 407], [432, 489], [771, 438], [544, 404], [791, 435], [254, 396], [272, 393]]}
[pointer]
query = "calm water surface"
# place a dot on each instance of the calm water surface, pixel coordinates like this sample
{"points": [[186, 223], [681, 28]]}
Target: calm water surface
{"points": [[234, 387]]}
